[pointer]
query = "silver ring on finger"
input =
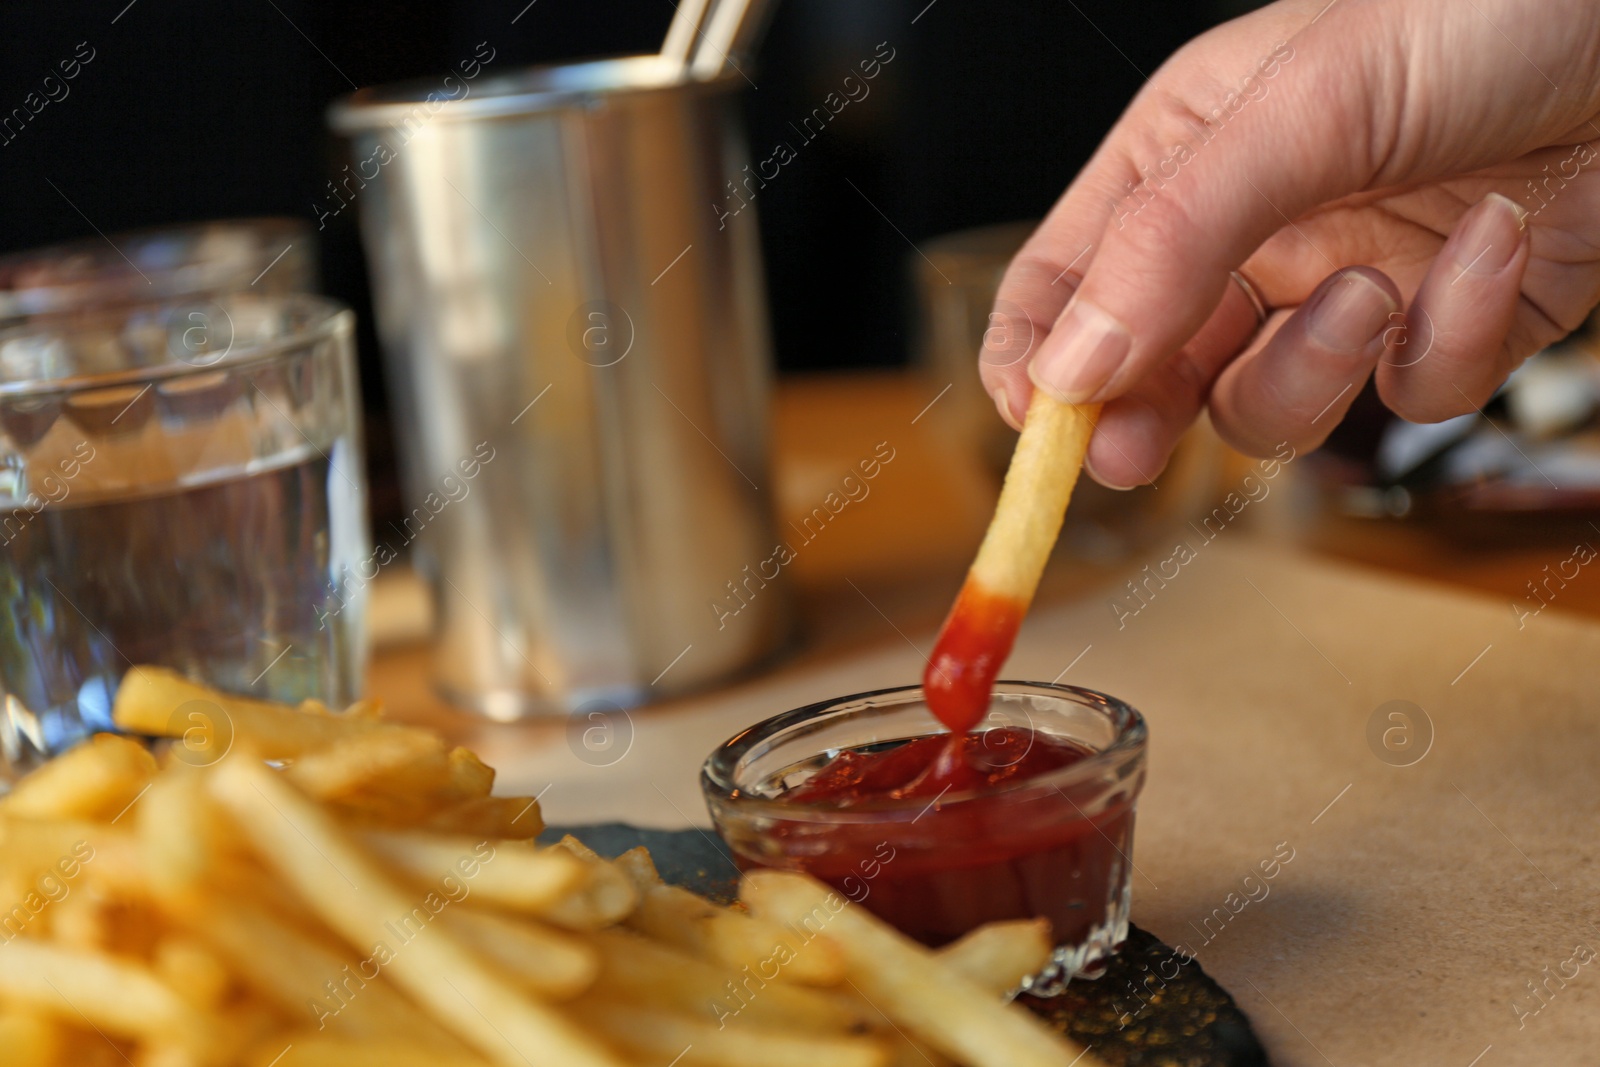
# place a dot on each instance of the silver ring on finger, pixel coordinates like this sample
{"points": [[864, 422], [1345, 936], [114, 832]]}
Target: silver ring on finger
{"points": [[1252, 294]]}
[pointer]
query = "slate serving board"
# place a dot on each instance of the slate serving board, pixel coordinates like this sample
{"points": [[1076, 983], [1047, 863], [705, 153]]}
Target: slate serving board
{"points": [[1185, 1020]]}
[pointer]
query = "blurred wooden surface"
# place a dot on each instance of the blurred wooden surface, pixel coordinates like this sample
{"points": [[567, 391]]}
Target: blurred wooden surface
{"points": [[1503, 569], [888, 564]]}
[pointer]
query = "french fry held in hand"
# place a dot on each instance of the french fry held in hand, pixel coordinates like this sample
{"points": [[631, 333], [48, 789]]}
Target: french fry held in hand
{"points": [[369, 902], [982, 626]]}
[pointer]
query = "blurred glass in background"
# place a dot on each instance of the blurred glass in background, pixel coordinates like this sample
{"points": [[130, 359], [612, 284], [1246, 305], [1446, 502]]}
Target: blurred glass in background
{"points": [[180, 485], [263, 256]]}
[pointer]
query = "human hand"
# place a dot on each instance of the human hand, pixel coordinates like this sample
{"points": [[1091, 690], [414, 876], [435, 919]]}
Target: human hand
{"points": [[1411, 186]]}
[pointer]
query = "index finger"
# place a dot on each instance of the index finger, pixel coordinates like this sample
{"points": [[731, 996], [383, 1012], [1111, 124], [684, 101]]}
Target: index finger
{"points": [[1174, 200], [1037, 285]]}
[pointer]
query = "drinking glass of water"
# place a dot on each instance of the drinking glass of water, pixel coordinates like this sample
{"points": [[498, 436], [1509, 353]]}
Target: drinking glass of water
{"points": [[180, 485]]}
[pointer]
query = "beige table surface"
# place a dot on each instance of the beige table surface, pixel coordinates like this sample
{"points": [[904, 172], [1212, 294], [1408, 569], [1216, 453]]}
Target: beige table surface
{"points": [[1420, 899]]}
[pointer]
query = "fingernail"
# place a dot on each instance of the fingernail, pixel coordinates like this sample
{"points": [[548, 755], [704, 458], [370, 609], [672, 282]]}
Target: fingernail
{"points": [[1002, 404], [1081, 354], [1489, 238], [1088, 465], [1350, 312]]}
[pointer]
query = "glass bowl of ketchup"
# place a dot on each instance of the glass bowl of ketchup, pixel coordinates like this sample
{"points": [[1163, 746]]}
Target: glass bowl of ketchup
{"points": [[1028, 815]]}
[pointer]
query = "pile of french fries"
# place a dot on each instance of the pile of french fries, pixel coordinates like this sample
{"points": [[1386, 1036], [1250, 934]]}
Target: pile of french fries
{"points": [[285, 887]]}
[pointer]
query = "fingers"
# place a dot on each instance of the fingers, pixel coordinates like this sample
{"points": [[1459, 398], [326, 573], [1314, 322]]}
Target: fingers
{"points": [[1456, 354], [1240, 137], [1201, 203], [1136, 433], [1112, 190], [1037, 285], [1299, 381]]}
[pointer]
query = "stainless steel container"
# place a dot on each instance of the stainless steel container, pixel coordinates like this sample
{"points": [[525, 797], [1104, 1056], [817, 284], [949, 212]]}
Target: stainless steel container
{"points": [[574, 321]]}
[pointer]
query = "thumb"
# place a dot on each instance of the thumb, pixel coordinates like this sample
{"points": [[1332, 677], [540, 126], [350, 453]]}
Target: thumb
{"points": [[1244, 130]]}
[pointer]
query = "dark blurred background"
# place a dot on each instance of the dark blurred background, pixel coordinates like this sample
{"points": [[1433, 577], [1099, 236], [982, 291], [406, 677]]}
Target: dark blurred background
{"points": [[192, 111]]}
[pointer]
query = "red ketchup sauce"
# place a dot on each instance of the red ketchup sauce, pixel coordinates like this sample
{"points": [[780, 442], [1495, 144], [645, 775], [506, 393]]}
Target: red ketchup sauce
{"points": [[1014, 854], [972, 645]]}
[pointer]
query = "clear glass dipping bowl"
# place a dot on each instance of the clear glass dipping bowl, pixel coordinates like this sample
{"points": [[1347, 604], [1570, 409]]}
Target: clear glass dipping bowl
{"points": [[1057, 845]]}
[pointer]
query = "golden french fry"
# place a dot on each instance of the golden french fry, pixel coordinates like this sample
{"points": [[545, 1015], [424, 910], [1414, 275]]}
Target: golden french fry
{"points": [[28, 1040], [678, 917], [640, 868], [312, 1049], [1039, 483], [366, 708], [978, 634], [588, 855], [470, 777], [236, 1030], [605, 898], [549, 962], [1000, 955], [508, 874], [391, 777], [192, 971], [131, 928], [70, 849], [907, 1051], [681, 918], [96, 780], [394, 804], [909, 983], [152, 700], [508, 817], [162, 1054], [305, 979], [350, 764], [663, 1036], [280, 962], [182, 837], [744, 940], [85, 1048], [117, 995], [638, 969], [196, 863], [80, 919], [352, 894]]}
